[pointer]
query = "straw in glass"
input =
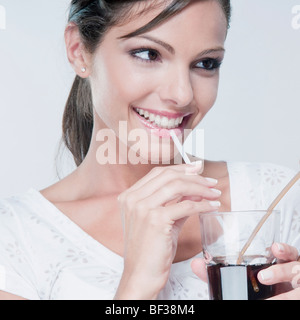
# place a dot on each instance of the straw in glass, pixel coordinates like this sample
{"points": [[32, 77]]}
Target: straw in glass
{"points": [[266, 216]]}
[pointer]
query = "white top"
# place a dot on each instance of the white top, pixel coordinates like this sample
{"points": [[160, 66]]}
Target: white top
{"points": [[44, 255]]}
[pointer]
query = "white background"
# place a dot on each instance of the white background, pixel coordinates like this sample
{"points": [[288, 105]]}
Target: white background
{"points": [[256, 117]]}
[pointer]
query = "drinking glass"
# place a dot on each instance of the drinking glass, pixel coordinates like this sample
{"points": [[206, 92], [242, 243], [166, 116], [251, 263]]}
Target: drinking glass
{"points": [[223, 237]]}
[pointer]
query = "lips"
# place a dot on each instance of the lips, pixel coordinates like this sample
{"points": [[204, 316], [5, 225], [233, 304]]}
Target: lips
{"points": [[163, 120]]}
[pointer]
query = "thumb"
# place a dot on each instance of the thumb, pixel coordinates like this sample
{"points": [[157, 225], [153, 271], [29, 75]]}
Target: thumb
{"points": [[199, 268]]}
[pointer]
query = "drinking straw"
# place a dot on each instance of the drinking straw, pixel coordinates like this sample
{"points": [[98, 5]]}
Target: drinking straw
{"points": [[266, 216], [180, 147]]}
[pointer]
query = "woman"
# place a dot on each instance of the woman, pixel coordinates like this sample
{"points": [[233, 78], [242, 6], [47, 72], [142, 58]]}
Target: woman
{"points": [[127, 227]]}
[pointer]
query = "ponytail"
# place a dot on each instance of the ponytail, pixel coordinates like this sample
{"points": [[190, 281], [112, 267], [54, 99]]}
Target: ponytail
{"points": [[78, 119]]}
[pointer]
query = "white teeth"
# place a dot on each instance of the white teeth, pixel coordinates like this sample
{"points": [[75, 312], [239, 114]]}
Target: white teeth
{"points": [[160, 121], [171, 124], [151, 118], [164, 122], [157, 120], [146, 114]]}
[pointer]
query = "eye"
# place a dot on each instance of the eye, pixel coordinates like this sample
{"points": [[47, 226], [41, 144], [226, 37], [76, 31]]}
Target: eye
{"points": [[209, 64], [147, 55]]}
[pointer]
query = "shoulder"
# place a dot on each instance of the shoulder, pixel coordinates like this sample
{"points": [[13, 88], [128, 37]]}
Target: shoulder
{"points": [[267, 179], [13, 211], [268, 174], [256, 184], [16, 246], [18, 204], [20, 214], [264, 174]]}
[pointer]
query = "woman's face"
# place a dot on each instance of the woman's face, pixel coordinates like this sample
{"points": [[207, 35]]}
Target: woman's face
{"points": [[164, 79]]}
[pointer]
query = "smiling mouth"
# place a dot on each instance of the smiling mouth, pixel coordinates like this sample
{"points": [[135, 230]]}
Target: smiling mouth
{"points": [[160, 121]]}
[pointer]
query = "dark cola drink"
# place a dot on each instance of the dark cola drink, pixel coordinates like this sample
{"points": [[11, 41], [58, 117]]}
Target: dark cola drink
{"points": [[237, 282]]}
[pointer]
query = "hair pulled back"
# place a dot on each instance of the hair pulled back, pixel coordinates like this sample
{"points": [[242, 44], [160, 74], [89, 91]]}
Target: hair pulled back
{"points": [[94, 18]]}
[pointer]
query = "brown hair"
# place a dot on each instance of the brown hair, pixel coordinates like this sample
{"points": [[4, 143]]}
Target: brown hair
{"points": [[94, 18]]}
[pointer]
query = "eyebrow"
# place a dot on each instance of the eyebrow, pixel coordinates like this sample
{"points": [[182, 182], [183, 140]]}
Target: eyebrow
{"points": [[162, 43], [172, 50]]}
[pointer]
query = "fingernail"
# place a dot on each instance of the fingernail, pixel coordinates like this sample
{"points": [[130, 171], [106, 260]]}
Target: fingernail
{"points": [[280, 247], [215, 203], [266, 274], [212, 180], [216, 191]]}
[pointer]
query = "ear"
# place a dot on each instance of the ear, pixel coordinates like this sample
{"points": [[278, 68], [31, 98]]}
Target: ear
{"points": [[76, 53]]}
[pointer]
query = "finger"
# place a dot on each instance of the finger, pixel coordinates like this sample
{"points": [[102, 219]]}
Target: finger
{"points": [[168, 185], [279, 273], [291, 295], [285, 252], [199, 268], [160, 171], [160, 175], [189, 208], [177, 189], [166, 217], [188, 169]]}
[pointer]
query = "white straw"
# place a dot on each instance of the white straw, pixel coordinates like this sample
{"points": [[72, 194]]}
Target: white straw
{"points": [[180, 147]]}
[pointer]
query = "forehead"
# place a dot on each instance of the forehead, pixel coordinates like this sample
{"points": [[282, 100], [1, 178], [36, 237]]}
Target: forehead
{"points": [[202, 16]]}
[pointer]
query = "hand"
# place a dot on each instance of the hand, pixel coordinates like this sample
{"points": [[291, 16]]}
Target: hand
{"points": [[288, 272], [152, 221]]}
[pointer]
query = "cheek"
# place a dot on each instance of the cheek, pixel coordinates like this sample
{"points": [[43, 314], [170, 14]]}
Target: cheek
{"points": [[116, 86], [206, 93], [130, 86]]}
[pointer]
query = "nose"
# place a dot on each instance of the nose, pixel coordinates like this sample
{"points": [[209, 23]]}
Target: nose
{"points": [[176, 87]]}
